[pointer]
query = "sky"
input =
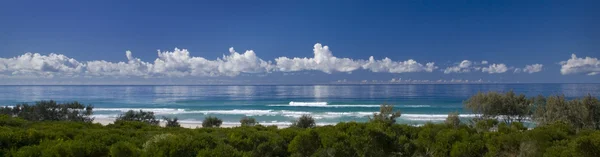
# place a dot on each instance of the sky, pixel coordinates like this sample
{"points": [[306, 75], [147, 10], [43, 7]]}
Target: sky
{"points": [[305, 42]]}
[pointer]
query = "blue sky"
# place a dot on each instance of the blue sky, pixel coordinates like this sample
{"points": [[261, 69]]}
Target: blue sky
{"points": [[512, 33]]}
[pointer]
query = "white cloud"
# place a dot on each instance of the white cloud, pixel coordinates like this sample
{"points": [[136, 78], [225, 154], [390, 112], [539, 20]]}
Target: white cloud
{"points": [[462, 67], [324, 60], [179, 63], [495, 68], [44, 65], [133, 67], [587, 65], [387, 65], [533, 68], [484, 62]]}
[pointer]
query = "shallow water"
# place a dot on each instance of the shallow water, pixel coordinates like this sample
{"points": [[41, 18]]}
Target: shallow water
{"points": [[271, 104]]}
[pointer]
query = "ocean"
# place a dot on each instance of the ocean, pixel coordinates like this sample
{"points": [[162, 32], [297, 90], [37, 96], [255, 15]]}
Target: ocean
{"points": [[281, 104]]}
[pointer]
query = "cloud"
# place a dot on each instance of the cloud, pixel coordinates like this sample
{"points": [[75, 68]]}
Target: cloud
{"points": [[179, 63], [587, 65], [462, 67], [43, 65], [324, 61], [533, 68], [387, 65], [495, 68]]}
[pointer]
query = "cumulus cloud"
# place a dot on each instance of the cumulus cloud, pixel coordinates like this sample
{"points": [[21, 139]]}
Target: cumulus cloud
{"points": [[495, 68], [587, 65], [180, 63], [462, 67], [325, 61], [387, 65], [533, 68], [43, 65]]}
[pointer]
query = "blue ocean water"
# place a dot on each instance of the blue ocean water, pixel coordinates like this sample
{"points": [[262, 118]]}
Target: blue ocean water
{"points": [[270, 104]]}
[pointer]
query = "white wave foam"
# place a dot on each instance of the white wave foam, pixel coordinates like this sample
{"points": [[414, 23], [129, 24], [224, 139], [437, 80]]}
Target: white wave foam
{"points": [[265, 123], [307, 103], [155, 110], [324, 104]]}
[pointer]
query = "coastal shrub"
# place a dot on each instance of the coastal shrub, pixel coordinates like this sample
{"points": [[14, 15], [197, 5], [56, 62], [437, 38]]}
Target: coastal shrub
{"points": [[305, 143], [453, 119], [507, 107], [386, 115], [305, 121], [248, 121], [50, 111], [140, 116], [580, 113], [124, 149], [211, 121], [171, 122]]}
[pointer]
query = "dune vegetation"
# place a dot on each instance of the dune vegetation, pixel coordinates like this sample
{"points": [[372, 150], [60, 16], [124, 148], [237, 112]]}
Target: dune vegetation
{"points": [[564, 127]]}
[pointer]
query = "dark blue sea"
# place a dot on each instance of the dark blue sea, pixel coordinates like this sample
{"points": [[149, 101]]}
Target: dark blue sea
{"points": [[280, 104]]}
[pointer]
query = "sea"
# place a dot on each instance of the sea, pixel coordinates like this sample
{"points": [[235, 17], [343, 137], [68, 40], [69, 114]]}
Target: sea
{"points": [[281, 104]]}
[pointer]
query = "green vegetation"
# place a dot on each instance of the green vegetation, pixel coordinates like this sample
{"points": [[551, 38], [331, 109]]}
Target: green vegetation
{"points": [[171, 122], [50, 111], [248, 121], [305, 121], [386, 115], [141, 116], [561, 131], [211, 122]]}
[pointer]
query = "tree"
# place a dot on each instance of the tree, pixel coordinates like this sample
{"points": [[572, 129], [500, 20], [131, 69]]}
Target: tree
{"points": [[171, 122], [248, 121], [305, 121], [51, 111], [211, 121], [386, 115], [508, 106], [141, 116], [453, 120]]}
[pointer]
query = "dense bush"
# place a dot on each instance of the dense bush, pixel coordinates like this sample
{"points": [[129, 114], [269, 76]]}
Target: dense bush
{"points": [[248, 121], [305, 121], [386, 115], [141, 116], [344, 139], [50, 111], [211, 121], [171, 122]]}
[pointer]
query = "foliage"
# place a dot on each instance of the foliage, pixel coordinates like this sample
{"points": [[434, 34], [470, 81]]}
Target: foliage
{"points": [[141, 116], [508, 107], [386, 115], [305, 121], [171, 122], [211, 121], [580, 113], [248, 121], [453, 119], [50, 111]]}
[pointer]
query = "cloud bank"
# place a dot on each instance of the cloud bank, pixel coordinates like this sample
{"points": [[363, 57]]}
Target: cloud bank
{"points": [[587, 65], [179, 63], [324, 61]]}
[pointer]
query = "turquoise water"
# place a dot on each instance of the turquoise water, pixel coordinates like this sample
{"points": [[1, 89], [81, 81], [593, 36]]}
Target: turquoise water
{"points": [[271, 104]]}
